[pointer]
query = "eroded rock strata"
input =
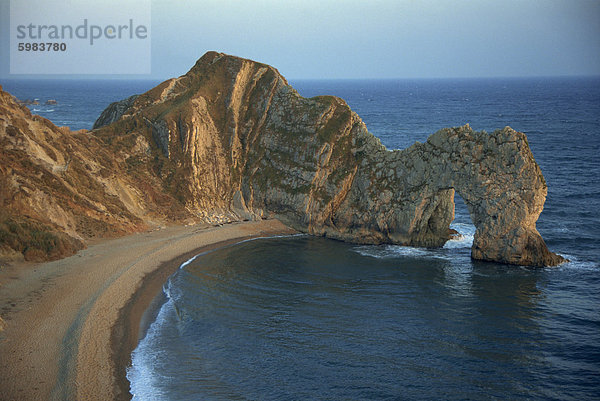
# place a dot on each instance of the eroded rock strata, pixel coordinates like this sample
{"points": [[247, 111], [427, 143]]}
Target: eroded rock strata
{"points": [[59, 188], [231, 140]]}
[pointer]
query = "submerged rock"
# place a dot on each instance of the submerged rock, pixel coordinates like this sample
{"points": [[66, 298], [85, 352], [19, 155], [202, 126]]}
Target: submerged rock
{"points": [[232, 140]]}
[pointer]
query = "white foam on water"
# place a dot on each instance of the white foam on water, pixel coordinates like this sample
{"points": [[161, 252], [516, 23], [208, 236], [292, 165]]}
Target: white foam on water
{"points": [[187, 262], [397, 251], [272, 236], [141, 374], [575, 263], [190, 260], [465, 240]]}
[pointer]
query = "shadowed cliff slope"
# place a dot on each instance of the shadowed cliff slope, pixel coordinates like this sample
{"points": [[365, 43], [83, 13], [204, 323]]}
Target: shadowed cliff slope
{"points": [[59, 188], [235, 141], [231, 140]]}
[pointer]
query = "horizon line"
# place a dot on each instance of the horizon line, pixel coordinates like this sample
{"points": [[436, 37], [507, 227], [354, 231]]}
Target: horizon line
{"points": [[83, 77]]}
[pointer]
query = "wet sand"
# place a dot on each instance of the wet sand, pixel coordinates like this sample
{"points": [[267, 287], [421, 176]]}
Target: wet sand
{"points": [[70, 325]]}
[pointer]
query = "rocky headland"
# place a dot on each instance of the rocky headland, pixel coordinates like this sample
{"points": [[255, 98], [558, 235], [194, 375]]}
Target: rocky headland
{"points": [[231, 140]]}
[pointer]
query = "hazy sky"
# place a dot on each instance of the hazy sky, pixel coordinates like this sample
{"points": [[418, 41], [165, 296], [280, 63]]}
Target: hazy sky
{"points": [[376, 38]]}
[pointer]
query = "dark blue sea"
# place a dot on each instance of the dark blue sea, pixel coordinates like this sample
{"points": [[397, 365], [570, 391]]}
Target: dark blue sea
{"points": [[304, 318]]}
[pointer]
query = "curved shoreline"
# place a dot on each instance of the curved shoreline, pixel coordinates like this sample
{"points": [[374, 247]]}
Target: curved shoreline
{"points": [[71, 324], [125, 333]]}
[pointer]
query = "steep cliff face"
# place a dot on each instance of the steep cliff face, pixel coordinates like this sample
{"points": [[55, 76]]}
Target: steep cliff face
{"points": [[232, 140], [60, 188]]}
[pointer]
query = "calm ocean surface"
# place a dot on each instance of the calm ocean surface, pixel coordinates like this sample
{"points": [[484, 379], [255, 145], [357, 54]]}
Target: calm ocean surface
{"points": [[309, 318]]}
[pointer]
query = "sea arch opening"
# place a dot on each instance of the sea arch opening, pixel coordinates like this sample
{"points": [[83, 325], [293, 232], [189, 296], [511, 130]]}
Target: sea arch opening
{"points": [[462, 227]]}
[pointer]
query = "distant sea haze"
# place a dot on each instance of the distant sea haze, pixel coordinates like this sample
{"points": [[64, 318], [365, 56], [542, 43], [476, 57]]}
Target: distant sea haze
{"points": [[310, 318]]}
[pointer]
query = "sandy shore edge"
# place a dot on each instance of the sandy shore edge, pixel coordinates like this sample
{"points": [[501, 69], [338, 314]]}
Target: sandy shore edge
{"points": [[71, 324], [126, 330]]}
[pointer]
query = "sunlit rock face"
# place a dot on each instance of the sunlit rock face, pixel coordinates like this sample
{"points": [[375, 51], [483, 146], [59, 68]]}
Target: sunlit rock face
{"points": [[232, 140]]}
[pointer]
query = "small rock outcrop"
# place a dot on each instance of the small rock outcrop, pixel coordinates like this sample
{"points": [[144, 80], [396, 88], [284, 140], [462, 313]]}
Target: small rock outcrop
{"points": [[232, 140], [27, 102]]}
